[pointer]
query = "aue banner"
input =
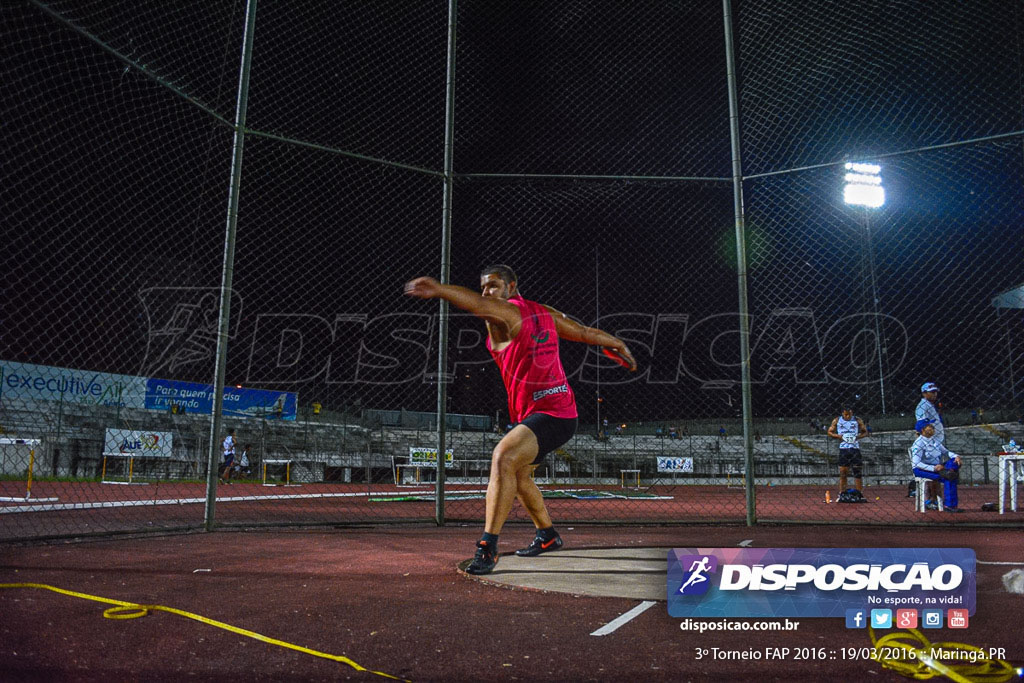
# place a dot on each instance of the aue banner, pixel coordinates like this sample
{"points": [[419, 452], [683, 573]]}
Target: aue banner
{"points": [[816, 582], [134, 442]]}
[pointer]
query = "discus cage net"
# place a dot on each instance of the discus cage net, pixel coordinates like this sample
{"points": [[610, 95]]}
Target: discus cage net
{"points": [[588, 144]]}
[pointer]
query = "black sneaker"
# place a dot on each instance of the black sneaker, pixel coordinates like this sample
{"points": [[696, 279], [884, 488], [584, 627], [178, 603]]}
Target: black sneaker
{"points": [[539, 546], [929, 505], [949, 509], [484, 560]]}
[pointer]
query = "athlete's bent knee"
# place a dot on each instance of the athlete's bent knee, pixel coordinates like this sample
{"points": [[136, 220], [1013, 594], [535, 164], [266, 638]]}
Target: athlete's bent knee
{"points": [[503, 461]]}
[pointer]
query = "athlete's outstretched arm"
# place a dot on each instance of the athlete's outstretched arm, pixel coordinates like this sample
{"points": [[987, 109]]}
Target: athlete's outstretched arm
{"points": [[573, 331], [497, 311]]}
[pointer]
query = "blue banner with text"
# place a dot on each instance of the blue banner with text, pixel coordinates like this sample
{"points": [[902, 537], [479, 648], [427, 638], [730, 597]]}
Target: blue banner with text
{"points": [[817, 582], [192, 397]]}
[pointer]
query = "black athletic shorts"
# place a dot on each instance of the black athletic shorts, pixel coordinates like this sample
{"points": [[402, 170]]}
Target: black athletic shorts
{"points": [[849, 456], [551, 432]]}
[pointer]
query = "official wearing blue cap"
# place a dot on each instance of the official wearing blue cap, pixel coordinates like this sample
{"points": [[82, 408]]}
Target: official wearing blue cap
{"points": [[928, 409]]}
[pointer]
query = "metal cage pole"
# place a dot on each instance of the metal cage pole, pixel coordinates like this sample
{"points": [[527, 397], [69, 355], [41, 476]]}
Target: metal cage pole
{"points": [[741, 260], [879, 341], [446, 258], [597, 323], [229, 263]]}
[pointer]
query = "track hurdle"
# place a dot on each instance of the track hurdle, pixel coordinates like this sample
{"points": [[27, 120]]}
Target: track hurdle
{"points": [[287, 472], [130, 473], [622, 476], [12, 454]]}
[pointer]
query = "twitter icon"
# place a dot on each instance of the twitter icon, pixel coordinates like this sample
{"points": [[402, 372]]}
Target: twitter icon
{"points": [[881, 618]]}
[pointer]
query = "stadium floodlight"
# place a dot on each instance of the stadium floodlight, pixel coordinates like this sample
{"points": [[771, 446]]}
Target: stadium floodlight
{"points": [[863, 185], [870, 169]]}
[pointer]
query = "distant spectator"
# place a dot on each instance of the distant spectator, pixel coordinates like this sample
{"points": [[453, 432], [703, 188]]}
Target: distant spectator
{"points": [[757, 436], [243, 466], [721, 431], [974, 416], [673, 433], [659, 432], [229, 457]]}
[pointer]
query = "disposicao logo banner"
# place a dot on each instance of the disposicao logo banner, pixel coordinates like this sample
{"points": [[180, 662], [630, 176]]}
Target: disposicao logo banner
{"points": [[816, 582]]}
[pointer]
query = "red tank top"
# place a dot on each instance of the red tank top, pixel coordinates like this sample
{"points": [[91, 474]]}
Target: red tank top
{"points": [[531, 368]]}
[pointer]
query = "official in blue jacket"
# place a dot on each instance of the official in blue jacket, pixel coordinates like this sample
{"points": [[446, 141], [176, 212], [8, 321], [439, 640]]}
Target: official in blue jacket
{"points": [[932, 460]]}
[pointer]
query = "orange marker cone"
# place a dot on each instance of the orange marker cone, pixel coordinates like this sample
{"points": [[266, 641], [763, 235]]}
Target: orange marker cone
{"points": [[828, 497]]}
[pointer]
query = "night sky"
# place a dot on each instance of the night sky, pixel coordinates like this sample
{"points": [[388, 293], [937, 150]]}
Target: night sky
{"points": [[116, 196]]}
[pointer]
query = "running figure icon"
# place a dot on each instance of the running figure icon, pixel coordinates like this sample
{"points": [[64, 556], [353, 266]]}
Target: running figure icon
{"points": [[696, 570]]}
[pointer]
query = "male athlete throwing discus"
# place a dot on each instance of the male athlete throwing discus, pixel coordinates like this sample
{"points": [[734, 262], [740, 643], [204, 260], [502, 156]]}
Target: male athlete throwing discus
{"points": [[522, 337]]}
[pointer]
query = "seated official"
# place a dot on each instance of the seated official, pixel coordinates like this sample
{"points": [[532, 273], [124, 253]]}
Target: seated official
{"points": [[932, 460]]}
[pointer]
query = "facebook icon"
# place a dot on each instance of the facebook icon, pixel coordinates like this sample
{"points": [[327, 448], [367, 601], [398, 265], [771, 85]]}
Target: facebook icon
{"points": [[856, 618]]}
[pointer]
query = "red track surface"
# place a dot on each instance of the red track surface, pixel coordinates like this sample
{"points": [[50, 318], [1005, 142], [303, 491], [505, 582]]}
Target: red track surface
{"points": [[392, 600]]}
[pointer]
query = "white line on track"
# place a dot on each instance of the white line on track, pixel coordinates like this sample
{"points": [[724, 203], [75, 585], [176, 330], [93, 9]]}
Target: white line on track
{"points": [[624, 618], [220, 499], [746, 543], [224, 499]]}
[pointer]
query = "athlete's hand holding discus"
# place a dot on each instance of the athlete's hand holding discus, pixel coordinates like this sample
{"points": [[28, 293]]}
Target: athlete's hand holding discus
{"points": [[621, 355]]}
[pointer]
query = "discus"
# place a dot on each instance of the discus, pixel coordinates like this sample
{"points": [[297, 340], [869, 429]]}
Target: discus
{"points": [[616, 356]]}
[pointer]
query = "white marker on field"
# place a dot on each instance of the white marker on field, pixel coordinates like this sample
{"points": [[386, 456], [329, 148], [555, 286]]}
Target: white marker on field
{"points": [[624, 618]]}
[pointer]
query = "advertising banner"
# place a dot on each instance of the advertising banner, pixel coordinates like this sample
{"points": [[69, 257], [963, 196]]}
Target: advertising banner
{"points": [[193, 397], [428, 457], [28, 382], [675, 464], [139, 443], [820, 582]]}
